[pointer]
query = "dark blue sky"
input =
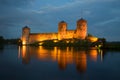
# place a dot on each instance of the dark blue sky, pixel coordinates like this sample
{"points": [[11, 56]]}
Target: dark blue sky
{"points": [[103, 16]]}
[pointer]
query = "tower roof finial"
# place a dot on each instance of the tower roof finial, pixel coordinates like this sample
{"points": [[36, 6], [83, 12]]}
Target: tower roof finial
{"points": [[81, 20]]}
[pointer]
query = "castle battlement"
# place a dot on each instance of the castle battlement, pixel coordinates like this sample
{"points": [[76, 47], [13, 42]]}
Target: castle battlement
{"points": [[63, 33]]}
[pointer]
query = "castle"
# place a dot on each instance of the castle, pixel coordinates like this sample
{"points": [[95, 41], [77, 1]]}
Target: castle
{"points": [[63, 33]]}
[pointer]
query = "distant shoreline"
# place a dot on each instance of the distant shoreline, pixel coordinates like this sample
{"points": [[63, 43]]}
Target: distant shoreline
{"points": [[113, 45]]}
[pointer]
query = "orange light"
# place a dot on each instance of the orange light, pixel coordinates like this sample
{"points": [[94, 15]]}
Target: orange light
{"points": [[92, 39], [40, 43], [24, 51], [81, 61], [55, 41], [67, 41], [23, 42], [93, 55]]}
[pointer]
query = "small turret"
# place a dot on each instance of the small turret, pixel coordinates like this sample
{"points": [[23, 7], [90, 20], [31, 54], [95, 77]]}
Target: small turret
{"points": [[62, 28], [25, 35], [81, 29]]}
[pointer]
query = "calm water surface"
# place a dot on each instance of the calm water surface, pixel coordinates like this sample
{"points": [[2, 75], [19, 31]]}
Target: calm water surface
{"points": [[39, 63]]}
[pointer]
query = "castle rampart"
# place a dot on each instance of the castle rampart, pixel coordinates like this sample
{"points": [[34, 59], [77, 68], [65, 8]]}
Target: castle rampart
{"points": [[79, 33]]}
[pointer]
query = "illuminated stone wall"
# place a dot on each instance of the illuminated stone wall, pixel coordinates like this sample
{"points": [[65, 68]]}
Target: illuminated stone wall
{"points": [[25, 35], [92, 38], [81, 30], [42, 36], [79, 33], [62, 28], [70, 34]]}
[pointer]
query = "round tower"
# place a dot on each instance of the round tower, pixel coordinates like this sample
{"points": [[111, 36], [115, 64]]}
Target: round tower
{"points": [[81, 30], [62, 28], [25, 35]]}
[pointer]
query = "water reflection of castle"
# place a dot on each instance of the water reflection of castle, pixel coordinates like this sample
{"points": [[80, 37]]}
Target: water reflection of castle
{"points": [[62, 56]]}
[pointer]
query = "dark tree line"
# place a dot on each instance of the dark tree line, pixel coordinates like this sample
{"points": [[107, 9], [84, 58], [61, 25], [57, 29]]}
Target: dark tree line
{"points": [[2, 40], [8, 41]]}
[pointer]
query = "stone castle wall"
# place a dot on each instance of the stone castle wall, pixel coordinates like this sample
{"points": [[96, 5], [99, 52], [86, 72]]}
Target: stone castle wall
{"points": [[79, 33], [42, 36]]}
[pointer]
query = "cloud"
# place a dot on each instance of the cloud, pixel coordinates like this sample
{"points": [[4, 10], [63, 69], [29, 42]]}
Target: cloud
{"points": [[15, 2], [107, 22], [44, 15], [63, 6]]}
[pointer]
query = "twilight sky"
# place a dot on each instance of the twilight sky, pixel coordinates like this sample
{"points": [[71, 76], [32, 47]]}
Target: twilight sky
{"points": [[103, 16]]}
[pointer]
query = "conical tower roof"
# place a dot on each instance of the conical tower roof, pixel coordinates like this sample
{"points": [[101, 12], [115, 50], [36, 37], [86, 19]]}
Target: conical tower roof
{"points": [[62, 22], [26, 27], [82, 20]]}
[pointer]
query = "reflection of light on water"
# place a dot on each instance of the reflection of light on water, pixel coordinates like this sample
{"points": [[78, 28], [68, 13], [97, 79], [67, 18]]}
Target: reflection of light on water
{"points": [[62, 60], [64, 56], [69, 55], [81, 61], [24, 51], [54, 54], [101, 54], [42, 53], [93, 54], [67, 49], [25, 55], [18, 52]]}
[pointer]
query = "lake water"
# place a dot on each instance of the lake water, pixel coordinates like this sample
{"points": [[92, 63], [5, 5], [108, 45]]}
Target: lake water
{"points": [[39, 63]]}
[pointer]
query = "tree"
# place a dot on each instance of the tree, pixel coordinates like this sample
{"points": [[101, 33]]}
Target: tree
{"points": [[1, 40]]}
